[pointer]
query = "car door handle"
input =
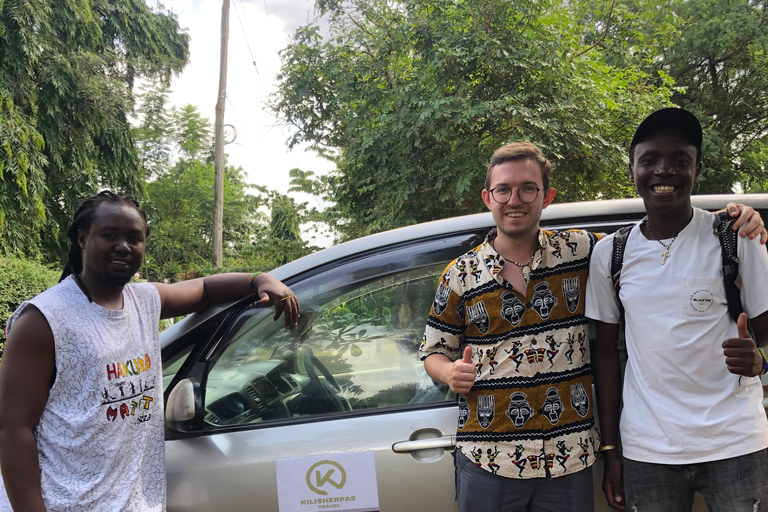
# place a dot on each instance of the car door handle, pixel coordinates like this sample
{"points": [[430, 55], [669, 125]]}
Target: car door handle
{"points": [[444, 442]]}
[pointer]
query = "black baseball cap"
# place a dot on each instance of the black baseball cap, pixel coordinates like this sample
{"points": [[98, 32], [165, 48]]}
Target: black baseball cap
{"points": [[675, 119]]}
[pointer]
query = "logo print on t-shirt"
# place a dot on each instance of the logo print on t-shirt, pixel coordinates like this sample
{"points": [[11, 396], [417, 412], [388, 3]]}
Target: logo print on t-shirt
{"points": [[463, 411], [131, 393], [701, 300], [478, 316]]}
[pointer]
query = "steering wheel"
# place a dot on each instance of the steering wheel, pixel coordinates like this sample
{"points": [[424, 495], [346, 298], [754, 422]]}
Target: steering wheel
{"points": [[326, 390]]}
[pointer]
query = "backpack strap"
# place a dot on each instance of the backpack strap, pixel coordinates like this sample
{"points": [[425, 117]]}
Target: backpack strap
{"points": [[617, 260], [722, 227], [728, 238]]}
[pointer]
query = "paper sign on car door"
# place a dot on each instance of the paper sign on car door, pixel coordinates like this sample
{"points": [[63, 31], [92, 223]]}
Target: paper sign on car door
{"points": [[332, 481]]}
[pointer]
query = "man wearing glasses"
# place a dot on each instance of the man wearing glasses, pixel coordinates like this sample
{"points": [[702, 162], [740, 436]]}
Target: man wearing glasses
{"points": [[525, 308], [507, 333]]}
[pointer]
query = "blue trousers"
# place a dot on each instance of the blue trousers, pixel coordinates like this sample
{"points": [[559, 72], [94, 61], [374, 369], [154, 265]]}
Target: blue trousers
{"points": [[738, 484], [477, 490]]}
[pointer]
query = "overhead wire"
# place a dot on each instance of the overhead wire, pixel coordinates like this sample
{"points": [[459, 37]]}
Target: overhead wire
{"points": [[247, 43], [255, 67]]}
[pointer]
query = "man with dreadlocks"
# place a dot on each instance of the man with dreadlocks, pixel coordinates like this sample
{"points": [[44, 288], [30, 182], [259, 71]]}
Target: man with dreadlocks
{"points": [[81, 425]]}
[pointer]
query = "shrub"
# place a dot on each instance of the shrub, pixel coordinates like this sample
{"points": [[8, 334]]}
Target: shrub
{"points": [[20, 280]]}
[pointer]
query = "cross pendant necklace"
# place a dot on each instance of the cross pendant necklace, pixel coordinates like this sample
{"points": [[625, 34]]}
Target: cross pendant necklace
{"points": [[665, 255]]}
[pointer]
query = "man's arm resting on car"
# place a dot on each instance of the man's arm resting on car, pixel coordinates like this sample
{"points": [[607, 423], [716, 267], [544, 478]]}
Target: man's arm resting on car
{"points": [[189, 296], [26, 374]]}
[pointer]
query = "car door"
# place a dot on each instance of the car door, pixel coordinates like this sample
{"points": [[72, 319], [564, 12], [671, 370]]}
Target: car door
{"points": [[347, 380]]}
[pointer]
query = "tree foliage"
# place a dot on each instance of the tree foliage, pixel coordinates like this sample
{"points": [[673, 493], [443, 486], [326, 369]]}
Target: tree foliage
{"points": [[67, 69], [410, 98], [261, 231], [180, 209], [717, 54], [21, 280], [176, 145], [282, 242]]}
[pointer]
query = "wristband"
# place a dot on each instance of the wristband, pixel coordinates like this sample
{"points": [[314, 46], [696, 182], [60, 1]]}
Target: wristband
{"points": [[606, 448], [765, 361], [250, 281]]}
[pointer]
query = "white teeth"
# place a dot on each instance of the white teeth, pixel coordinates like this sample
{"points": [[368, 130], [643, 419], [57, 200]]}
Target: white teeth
{"points": [[515, 214], [663, 189]]}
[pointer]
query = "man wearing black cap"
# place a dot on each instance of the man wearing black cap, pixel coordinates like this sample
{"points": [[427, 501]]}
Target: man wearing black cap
{"points": [[692, 418]]}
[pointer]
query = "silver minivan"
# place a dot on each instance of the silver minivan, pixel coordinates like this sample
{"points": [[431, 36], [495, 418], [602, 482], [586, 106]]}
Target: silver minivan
{"points": [[248, 401]]}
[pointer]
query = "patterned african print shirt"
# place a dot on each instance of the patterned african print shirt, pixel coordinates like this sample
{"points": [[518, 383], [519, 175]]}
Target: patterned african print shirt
{"points": [[529, 413]]}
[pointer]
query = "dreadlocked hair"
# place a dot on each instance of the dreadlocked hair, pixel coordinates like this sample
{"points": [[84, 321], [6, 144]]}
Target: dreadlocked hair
{"points": [[83, 220]]}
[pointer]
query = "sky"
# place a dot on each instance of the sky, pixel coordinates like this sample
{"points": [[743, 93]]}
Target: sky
{"points": [[258, 30]]}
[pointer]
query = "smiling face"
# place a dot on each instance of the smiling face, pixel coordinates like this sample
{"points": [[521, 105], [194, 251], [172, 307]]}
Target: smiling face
{"points": [[113, 249], [664, 170], [516, 219]]}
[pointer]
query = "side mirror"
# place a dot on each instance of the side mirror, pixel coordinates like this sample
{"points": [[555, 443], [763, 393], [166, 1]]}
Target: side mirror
{"points": [[184, 406]]}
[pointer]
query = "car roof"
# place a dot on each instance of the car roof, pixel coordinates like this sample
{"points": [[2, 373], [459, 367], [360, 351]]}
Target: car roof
{"points": [[556, 216], [560, 215]]}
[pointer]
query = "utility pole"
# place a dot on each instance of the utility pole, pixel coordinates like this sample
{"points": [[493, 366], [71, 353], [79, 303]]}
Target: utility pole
{"points": [[218, 190]]}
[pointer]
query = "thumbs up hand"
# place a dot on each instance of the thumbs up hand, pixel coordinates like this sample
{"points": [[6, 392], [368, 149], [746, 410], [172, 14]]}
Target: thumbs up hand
{"points": [[463, 373], [741, 354]]}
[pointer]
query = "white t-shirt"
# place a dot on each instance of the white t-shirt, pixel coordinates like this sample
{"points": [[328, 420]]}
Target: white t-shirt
{"points": [[681, 405], [100, 437]]}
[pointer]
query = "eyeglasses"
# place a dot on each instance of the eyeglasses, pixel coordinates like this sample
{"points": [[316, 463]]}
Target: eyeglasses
{"points": [[526, 193]]}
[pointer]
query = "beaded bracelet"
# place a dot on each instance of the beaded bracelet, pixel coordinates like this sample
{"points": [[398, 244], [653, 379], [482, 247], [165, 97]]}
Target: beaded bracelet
{"points": [[250, 281]]}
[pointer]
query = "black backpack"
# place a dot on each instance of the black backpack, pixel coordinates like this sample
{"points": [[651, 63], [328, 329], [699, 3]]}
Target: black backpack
{"points": [[728, 242]]}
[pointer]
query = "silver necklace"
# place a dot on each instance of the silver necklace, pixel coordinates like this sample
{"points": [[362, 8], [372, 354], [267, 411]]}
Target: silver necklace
{"points": [[665, 255]]}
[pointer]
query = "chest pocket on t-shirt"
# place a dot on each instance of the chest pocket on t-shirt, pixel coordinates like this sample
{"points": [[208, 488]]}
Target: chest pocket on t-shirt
{"points": [[703, 297]]}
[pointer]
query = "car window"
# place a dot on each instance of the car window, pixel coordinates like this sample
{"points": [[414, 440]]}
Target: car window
{"points": [[173, 364], [356, 349], [179, 353]]}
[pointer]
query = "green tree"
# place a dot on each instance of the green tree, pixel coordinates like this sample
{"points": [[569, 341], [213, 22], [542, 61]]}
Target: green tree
{"points": [[281, 242], [180, 210], [410, 98], [152, 134], [719, 60], [21, 280], [67, 70], [261, 231], [325, 221], [715, 51], [177, 143]]}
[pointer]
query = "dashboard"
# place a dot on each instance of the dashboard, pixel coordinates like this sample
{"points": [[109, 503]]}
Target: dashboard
{"points": [[250, 393]]}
